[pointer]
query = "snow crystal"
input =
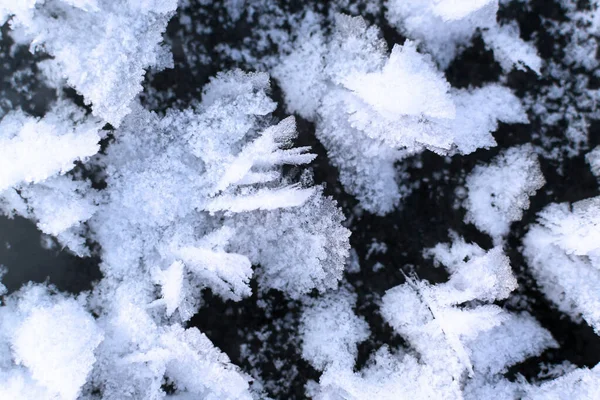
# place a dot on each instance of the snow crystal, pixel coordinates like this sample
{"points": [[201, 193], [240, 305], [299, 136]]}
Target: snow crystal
{"points": [[579, 384], [216, 196], [33, 149], [593, 158], [272, 240], [393, 106], [510, 50], [200, 163], [516, 339], [480, 339], [194, 365], [567, 101], [137, 356], [57, 346], [192, 199], [387, 376], [499, 192], [103, 47], [53, 338], [563, 254], [59, 205], [331, 331], [444, 26]]}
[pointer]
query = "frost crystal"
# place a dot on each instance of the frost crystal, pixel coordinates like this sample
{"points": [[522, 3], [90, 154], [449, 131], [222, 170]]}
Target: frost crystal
{"points": [[463, 346], [193, 194], [499, 192], [193, 199], [393, 106], [443, 26], [427, 315], [217, 202], [52, 341], [563, 252], [58, 205], [332, 332], [33, 149], [593, 158], [102, 46], [580, 384]]}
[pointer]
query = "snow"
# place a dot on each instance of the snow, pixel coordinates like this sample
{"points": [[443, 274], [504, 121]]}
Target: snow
{"points": [[581, 384], [331, 331], [510, 50], [433, 323], [563, 255], [52, 341], [474, 343], [499, 193], [57, 346], [593, 158], [394, 106], [171, 281], [443, 27], [204, 201], [270, 240], [493, 351], [33, 149], [102, 47], [176, 197], [263, 199], [414, 86]]}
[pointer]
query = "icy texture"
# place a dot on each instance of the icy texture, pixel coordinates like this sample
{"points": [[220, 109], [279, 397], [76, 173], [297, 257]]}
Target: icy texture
{"points": [[270, 239], [563, 253], [58, 205], [387, 376], [208, 195], [33, 149], [426, 315], [377, 110], [462, 351], [516, 339], [454, 340], [579, 384], [201, 202], [301, 73], [51, 341], [568, 99], [443, 26], [207, 191], [192, 200], [499, 192], [35, 155], [510, 50], [593, 158], [102, 47], [332, 332], [138, 354]]}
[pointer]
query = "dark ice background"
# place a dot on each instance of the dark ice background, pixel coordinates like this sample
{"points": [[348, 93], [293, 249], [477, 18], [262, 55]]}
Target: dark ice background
{"points": [[261, 336]]}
